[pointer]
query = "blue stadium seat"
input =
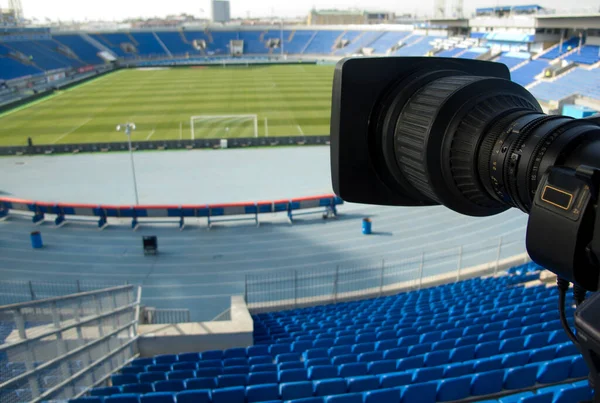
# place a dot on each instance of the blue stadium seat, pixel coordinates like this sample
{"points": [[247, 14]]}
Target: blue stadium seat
{"points": [[458, 369], [194, 396], [183, 374], [169, 386], [382, 396], [295, 390], [165, 359], [325, 387], [123, 398], [208, 372], [159, 368], [211, 355], [258, 393], [309, 400], [209, 364], [315, 353], [436, 358], [297, 364], [235, 362], [181, 366], [420, 392], [381, 367], [322, 372], [427, 374], [88, 399], [236, 352], [454, 389], [276, 349], [578, 367], [575, 394], [362, 383], [148, 377], [234, 394], [301, 346], [140, 388], [521, 377], [158, 397], [201, 383], [352, 369], [347, 398], [226, 381], [461, 354], [487, 383], [254, 351], [410, 363], [133, 370], [516, 398], [293, 375], [395, 353], [188, 357], [263, 368], [142, 362], [386, 345], [337, 360], [236, 370], [260, 359], [123, 379], [106, 391], [287, 357], [554, 371], [257, 378]]}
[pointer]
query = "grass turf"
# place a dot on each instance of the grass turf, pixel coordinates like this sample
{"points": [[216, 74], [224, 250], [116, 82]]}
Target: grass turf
{"points": [[296, 100]]}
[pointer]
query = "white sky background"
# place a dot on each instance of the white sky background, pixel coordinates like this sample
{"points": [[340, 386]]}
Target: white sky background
{"points": [[120, 9]]}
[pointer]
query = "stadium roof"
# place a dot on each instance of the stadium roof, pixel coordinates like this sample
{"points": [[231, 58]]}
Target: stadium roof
{"points": [[530, 7]]}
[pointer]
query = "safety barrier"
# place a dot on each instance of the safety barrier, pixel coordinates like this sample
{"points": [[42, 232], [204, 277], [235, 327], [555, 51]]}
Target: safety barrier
{"points": [[223, 212]]}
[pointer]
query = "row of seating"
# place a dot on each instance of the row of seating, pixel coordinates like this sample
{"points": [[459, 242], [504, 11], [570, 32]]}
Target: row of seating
{"points": [[430, 391]]}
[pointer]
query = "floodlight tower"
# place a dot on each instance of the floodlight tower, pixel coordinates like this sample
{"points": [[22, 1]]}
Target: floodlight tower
{"points": [[439, 9], [128, 127], [17, 9]]}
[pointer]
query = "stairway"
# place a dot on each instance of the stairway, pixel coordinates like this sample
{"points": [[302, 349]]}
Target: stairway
{"points": [[97, 44], [162, 44]]}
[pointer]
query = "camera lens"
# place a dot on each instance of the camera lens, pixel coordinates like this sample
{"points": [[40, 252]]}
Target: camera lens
{"points": [[477, 145]]}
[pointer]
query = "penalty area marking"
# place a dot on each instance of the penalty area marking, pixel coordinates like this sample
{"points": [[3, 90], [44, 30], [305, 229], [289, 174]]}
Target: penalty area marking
{"points": [[62, 136], [300, 130]]}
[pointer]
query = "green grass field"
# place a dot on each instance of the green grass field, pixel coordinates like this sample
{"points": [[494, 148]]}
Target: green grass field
{"points": [[296, 100]]}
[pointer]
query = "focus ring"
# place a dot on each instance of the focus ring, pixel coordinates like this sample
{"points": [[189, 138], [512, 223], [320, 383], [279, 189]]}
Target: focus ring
{"points": [[416, 119], [466, 142]]}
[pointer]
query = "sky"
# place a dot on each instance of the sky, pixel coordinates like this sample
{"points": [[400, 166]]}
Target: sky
{"points": [[120, 9]]}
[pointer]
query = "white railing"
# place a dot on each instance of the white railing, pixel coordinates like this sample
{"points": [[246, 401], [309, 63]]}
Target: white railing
{"points": [[58, 348]]}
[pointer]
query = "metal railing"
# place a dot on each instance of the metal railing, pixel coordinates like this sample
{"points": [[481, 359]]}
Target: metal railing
{"points": [[298, 288], [153, 316], [58, 348], [17, 291]]}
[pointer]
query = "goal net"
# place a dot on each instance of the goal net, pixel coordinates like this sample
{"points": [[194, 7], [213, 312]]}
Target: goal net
{"points": [[224, 126]]}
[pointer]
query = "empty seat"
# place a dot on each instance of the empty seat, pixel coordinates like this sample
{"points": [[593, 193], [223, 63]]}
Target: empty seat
{"points": [[88, 399], [458, 369], [236, 370], [315, 353], [381, 367], [575, 394], [322, 372], [295, 390], [287, 357], [565, 350], [337, 360], [578, 367], [235, 362], [263, 368], [254, 351], [382, 396], [181, 374], [311, 363], [461, 354], [454, 389], [123, 379], [353, 369], [386, 345], [487, 349], [347, 398], [542, 354], [135, 370], [208, 372], [106, 391], [301, 346], [339, 350], [165, 359], [256, 378], [201, 383], [236, 394], [427, 374], [169, 386], [236, 352], [512, 345], [362, 383], [325, 387], [194, 396], [487, 383], [188, 357], [554, 371], [293, 375], [123, 398], [519, 378], [226, 381], [158, 397], [159, 368], [537, 340], [436, 358], [370, 356], [209, 364], [410, 363], [142, 362], [395, 379], [211, 355], [261, 393], [147, 377], [140, 388], [181, 366], [420, 392], [259, 359]]}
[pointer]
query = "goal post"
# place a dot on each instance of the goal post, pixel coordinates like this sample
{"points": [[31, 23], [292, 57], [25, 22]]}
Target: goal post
{"points": [[224, 126]]}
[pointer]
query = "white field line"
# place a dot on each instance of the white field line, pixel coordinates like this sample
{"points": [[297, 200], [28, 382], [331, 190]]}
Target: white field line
{"points": [[150, 135], [300, 130], [62, 136]]}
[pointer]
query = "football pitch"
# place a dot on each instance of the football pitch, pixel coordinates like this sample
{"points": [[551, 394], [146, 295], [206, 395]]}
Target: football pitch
{"points": [[288, 101]]}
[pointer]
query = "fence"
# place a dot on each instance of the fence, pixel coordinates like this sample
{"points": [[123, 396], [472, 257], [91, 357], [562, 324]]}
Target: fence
{"points": [[299, 288], [14, 292], [57, 348], [153, 316]]}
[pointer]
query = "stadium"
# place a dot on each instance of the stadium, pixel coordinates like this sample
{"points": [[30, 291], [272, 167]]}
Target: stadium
{"points": [[169, 231]]}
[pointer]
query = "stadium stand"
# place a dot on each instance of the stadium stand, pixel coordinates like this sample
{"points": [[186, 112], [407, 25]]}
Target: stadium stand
{"points": [[475, 338], [323, 42], [474, 53], [220, 40], [525, 74], [450, 52], [147, 44], [174, 42], [386, 41], [416, 45], [41, 54], [11, 68], [363, 40], [512, 59], [577, 81], [84, 50], [298, 41], [588, 54], [557, 51], [114, 42]]}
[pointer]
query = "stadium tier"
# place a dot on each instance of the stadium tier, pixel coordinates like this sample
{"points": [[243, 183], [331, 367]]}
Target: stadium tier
{"points": [[323, 42], [559, 50], [147, 43], [587, 55], [415, 45], [577, 81], [526, 74], [82, 48], [477, 339]]}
